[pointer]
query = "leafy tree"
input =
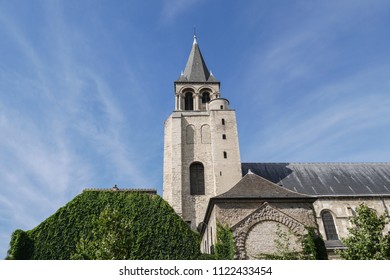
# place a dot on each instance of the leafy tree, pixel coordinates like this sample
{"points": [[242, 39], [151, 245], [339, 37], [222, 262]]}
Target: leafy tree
{"points": [[366, 240], [224, 247]]}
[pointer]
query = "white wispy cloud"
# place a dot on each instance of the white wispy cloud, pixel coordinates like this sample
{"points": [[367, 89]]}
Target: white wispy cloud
{"points": [[173, 8], [327, 119], [309, 97], [69, 127]]}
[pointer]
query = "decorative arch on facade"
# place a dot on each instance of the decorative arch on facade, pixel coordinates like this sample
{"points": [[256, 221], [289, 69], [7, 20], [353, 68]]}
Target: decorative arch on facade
{"points": [[190, 134], [206, 94], [262, 214], [329, 225], [197, 183], [186, 89], [205, 134], [180, 102]]}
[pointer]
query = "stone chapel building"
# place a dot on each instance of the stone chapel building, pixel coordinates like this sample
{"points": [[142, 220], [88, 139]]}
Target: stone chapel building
{"points": [[205, 180]]}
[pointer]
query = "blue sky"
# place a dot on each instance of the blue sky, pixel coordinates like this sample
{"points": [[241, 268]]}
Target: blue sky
{"points": [[85, 87]]}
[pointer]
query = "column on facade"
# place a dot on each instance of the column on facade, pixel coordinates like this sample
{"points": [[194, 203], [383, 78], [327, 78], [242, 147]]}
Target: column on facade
{"points": [[178, 102], [196, 102]]}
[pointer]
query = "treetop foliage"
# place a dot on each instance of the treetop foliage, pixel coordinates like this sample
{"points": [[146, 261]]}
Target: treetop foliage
{"points": [[366, 240]]}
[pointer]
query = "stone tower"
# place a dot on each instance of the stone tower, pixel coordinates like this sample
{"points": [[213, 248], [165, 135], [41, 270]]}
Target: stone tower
{"points": [[201, 151]]}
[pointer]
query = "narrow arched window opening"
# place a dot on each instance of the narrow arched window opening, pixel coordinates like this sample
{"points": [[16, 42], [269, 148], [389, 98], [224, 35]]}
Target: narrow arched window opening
{"points": [[197, 185], [224, 136], [223, 121], [329, 226], [188, 102], [205, 97], [224, 154]]}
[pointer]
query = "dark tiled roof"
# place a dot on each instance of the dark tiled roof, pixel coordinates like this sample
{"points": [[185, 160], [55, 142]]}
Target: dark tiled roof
{"points": [[252, 186], [196, 69], [327, 179]]}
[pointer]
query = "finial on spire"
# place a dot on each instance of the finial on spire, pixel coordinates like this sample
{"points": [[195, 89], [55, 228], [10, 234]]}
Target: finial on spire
{"points": [[195, 42]]}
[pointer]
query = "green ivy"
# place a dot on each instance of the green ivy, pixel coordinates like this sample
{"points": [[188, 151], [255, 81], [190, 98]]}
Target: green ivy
{"points": [[138, 225], [313, 246], [225, 247], [21, 246]]}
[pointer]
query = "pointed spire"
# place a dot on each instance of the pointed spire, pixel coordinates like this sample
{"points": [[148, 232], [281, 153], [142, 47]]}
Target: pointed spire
{"points": [[196, 69]]}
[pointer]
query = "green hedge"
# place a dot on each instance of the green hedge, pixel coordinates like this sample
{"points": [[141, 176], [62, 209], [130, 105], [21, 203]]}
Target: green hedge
{"points": [[153, 230]]}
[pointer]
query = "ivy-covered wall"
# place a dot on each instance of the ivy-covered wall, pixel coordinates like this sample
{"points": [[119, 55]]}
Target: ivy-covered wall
{"points": [[152, 229]]}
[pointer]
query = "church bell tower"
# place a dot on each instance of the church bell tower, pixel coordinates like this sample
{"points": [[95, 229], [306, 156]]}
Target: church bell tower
{"points": [[201, 151]]}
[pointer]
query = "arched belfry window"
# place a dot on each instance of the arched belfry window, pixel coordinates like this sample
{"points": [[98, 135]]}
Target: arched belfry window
{"points": [[188, 102], [205, 100], [329, 226], [197, 186], [205, 97]]}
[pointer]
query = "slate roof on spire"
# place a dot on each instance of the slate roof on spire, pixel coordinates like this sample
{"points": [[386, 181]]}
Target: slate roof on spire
{"points": [[196, 69]]}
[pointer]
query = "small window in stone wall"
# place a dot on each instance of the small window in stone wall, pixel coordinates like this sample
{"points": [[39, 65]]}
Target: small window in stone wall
{"points": [[329, 226], [224, 154], [223, 121], [224, 136]]}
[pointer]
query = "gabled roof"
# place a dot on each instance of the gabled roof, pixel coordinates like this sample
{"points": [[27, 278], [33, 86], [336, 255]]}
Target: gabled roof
{"points": [[252, 186], [255, 188], [327, 179], [196, 69]]}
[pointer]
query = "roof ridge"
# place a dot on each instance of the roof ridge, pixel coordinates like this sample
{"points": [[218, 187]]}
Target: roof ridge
{"points": [[321, 162], [255, 186]]}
